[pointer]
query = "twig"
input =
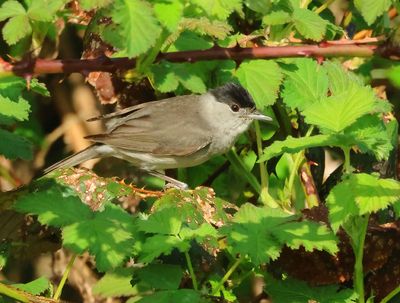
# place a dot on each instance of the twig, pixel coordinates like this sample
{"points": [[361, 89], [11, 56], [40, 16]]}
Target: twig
{"points": [[42, 66]]}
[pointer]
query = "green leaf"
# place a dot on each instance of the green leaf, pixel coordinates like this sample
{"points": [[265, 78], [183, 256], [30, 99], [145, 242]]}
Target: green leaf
{"points": [[166, 221], [13, 146], [173, 296], [359, 194], [16, 28], [294, 145], [394, 75], [35, 287], [167, 77], [169, 13], [305, 85], [370, 135], [161, 276], [190, 41], [259, 6], [252, 233], [220, 9], [116, 283], [294, 291], [44, 201], [107, 234], [310, 235], [161, 245], [277, 18], [18, 110], [44, 10], [372, 9], [10, 9], [93, 4], [339, 79], [309, 24], [137, 26], [336, 112], [262, 78]]}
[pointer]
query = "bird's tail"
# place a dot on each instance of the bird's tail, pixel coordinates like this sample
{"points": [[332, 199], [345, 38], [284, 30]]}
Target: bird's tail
{"points": [[91, 152]]}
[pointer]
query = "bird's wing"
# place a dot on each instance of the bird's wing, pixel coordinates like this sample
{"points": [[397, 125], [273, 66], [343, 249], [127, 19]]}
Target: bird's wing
{"points": [[172, 127]]}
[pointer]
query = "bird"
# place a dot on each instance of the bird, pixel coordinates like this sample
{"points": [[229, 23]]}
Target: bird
{"points": [[177, 132]]}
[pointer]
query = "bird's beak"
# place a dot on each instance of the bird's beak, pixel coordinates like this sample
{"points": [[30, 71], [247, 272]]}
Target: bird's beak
{"points": [[256, 115]]}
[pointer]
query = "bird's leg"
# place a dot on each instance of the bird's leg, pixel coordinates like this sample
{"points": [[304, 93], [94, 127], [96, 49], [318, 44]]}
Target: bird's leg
{"points": [[170, 181]]}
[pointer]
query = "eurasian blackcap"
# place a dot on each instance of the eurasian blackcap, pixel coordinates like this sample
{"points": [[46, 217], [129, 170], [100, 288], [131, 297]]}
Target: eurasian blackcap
{"points": [[182, 131]]}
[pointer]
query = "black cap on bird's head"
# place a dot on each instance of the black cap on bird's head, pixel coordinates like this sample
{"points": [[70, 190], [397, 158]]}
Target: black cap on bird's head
{"points": [[233, 92]]}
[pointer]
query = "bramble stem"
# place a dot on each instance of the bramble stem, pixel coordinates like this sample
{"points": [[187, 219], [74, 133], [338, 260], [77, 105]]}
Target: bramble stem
{"points": [[191, 271], [324, 6], [227, 275], [64, 278], [12, 293], [263, 170], [392, 294]]}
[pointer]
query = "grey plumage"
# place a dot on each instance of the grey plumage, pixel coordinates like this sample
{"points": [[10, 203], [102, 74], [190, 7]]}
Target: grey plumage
{"points": [[176, 132]]}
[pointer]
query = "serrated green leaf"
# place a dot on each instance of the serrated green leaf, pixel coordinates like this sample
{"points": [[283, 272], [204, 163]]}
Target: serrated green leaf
{"points": [[10, 9], [336, 112], [92, 4], [252, 233], [18, 110], [173, 296], [294, 291], [370, 135], [44, 10], [108, 235], [166, 221], [161, 276], [44, 201], [220, 9], [116, 283], [262, 79], [161, 245], [137, 26], [310, 235], [294, 145], [305, 85], [35, 287], [204, 26], [309, 24], [359, 194], [167, 77], [276, 18], [13, 146], [371, 9], [169, 13], [339, 79], [16, 28], [190, 41]]}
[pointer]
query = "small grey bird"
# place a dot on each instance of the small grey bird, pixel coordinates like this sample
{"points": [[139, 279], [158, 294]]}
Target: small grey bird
{"points": [[182, 131]]}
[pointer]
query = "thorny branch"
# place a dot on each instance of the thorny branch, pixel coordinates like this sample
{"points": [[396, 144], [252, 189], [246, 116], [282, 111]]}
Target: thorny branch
{"points": [[36, 66]]}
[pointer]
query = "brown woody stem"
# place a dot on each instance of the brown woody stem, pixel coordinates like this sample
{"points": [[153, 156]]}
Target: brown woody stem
{"points": [[40, 66]]}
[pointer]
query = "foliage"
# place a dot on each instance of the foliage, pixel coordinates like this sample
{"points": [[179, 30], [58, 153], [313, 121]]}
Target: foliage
{"points": [[157, 252]]}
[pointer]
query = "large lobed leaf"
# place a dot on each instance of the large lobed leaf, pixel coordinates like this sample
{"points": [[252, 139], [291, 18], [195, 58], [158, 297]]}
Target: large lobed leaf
{"points": [[359, 194], [306, 84], [261, 233], [137, 28], [262, 78], [107, 234], [372, 9]]}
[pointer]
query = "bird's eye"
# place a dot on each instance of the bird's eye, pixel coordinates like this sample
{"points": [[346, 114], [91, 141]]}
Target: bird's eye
{"points": [[235, 107]]}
